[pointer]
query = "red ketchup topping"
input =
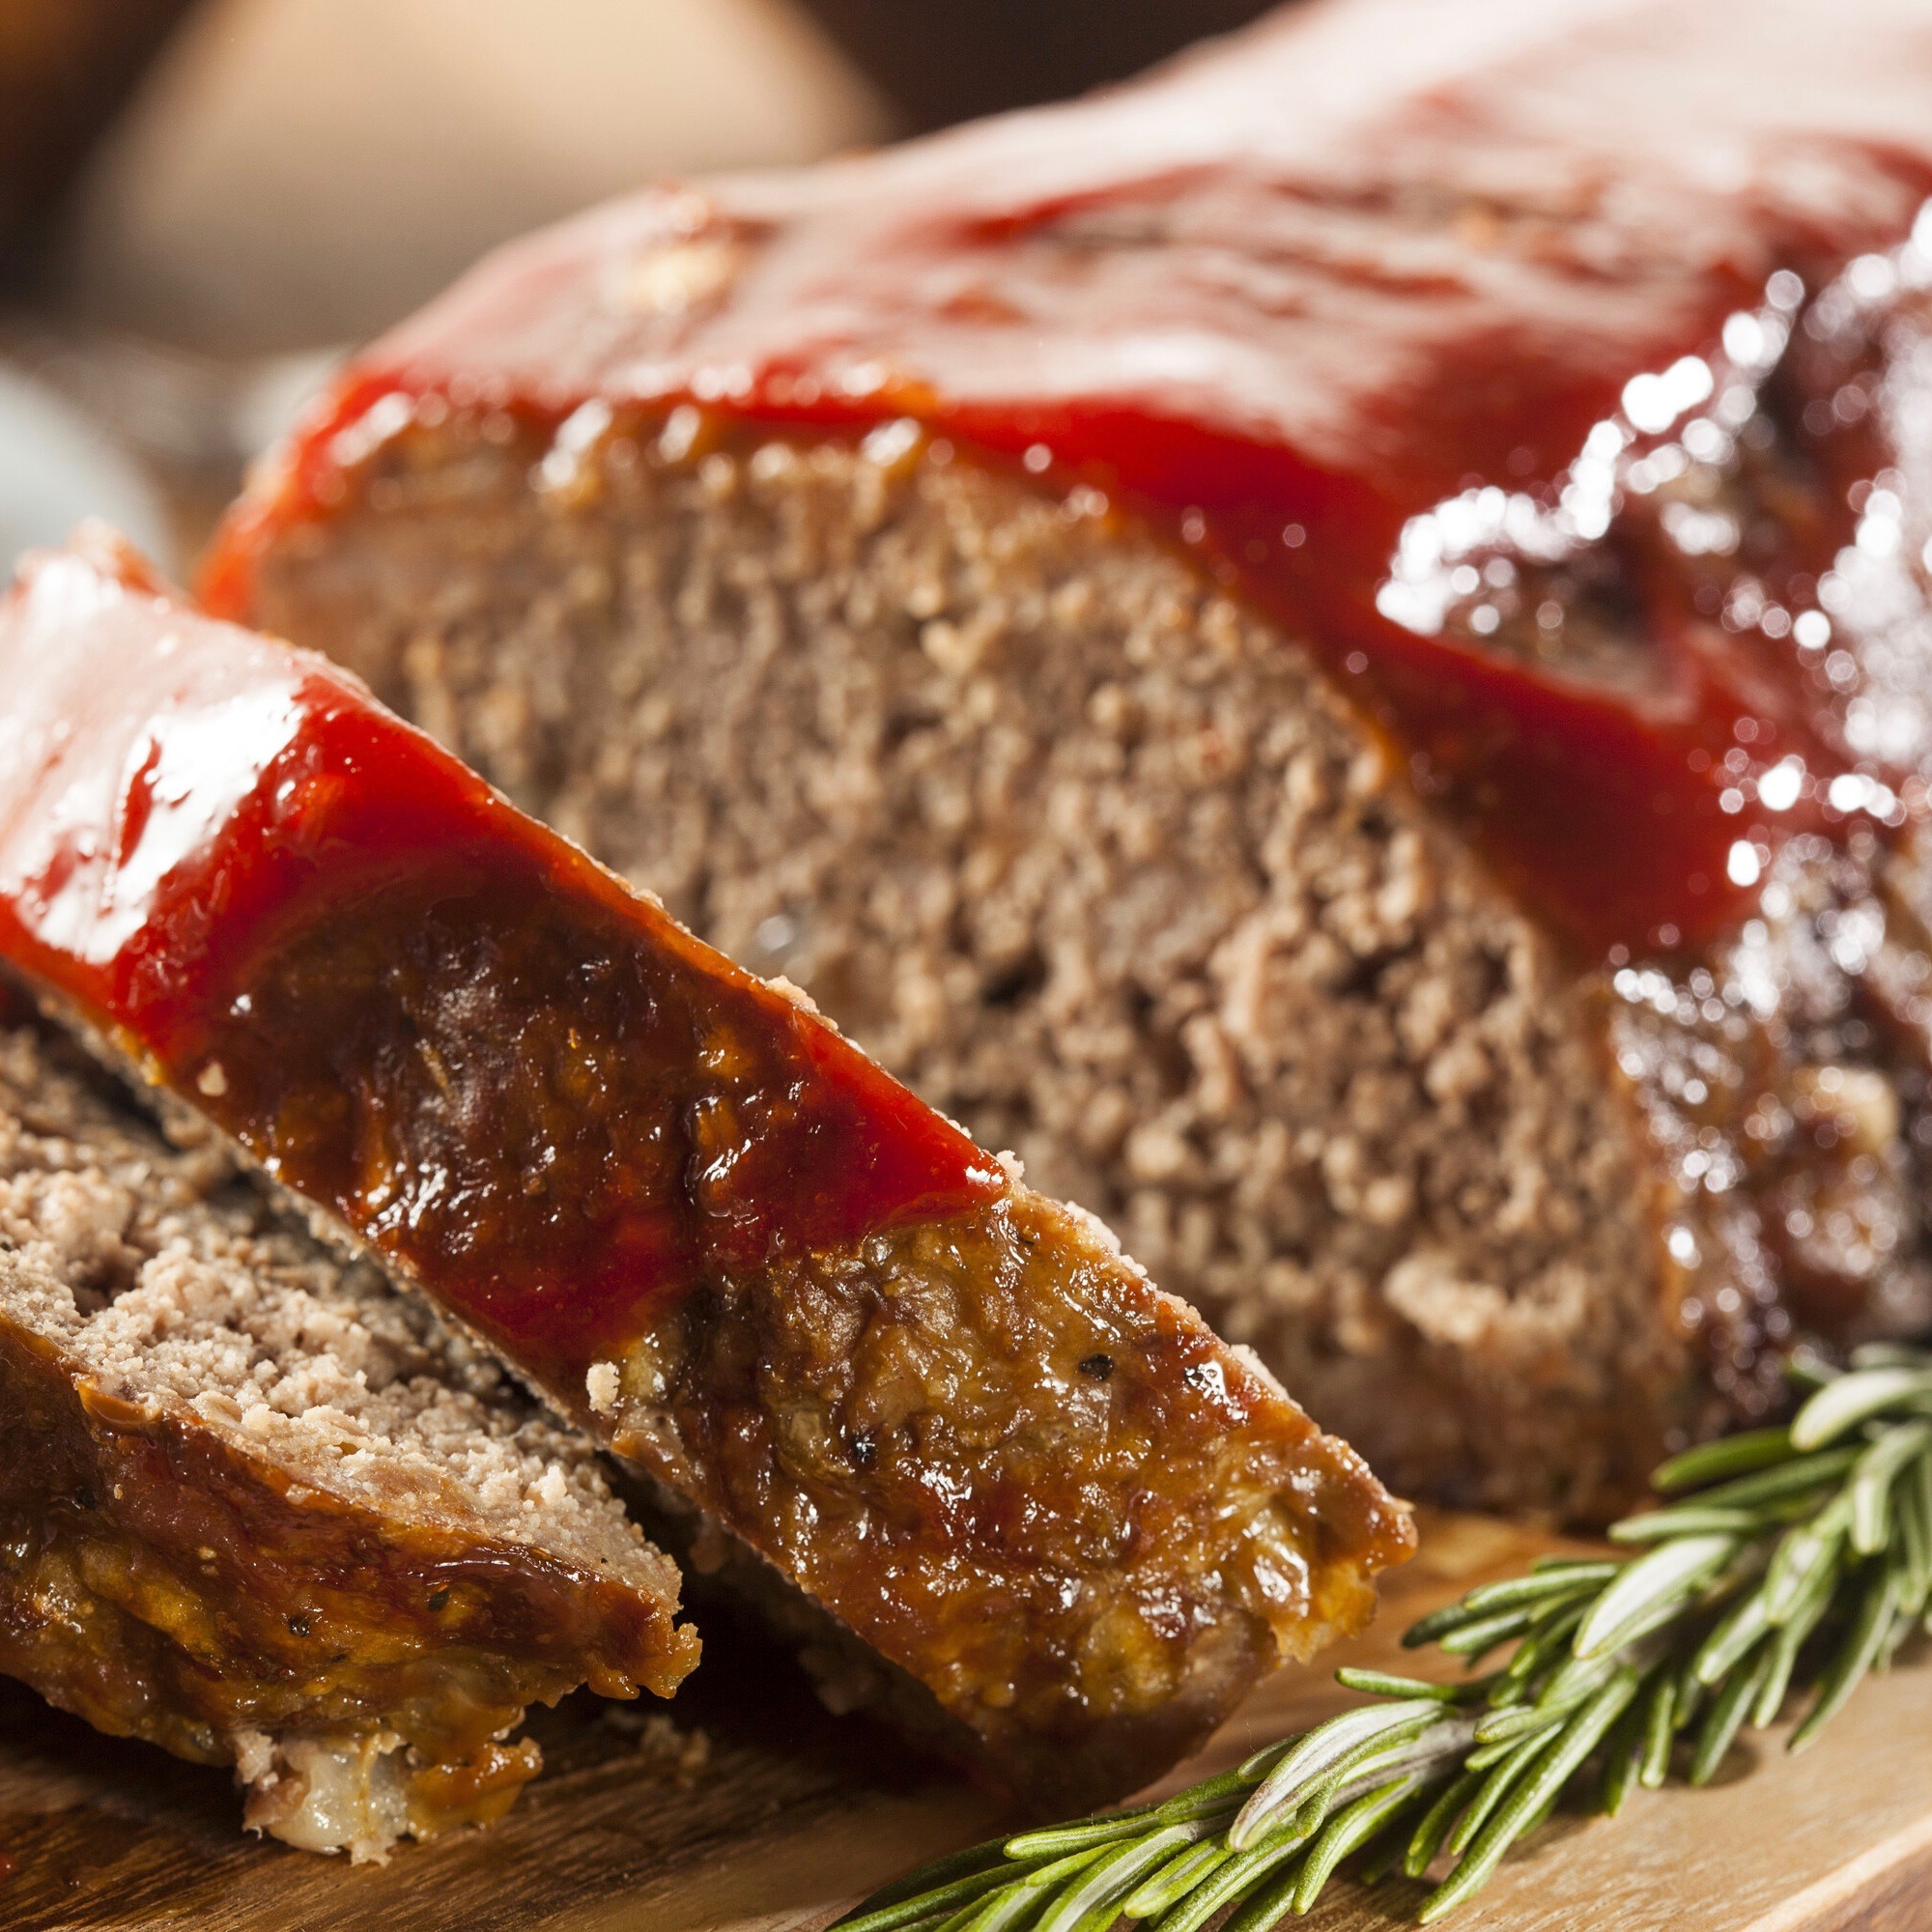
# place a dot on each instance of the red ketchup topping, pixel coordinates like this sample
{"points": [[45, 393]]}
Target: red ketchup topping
{"points": [[1324, 301], [495, 1062]]}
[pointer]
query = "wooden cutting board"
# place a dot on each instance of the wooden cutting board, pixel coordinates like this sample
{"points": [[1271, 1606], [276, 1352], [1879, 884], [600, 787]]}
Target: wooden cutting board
{"points": [[793, 1814]]}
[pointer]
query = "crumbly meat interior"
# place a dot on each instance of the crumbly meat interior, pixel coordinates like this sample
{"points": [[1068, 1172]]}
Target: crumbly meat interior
{"points": [[259, 1509], [1097, 859], [1092, 858]]}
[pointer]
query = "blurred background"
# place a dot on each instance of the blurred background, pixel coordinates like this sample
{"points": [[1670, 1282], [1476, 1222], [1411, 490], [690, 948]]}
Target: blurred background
{"points": [[204, 204]]}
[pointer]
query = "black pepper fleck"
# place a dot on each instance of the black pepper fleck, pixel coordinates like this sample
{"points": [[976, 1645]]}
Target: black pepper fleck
{"points": [[1099, 1367]]}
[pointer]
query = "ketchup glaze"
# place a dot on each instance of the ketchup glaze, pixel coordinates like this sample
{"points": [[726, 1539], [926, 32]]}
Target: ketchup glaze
{"points": [[1451, 339], [505, 1071]]}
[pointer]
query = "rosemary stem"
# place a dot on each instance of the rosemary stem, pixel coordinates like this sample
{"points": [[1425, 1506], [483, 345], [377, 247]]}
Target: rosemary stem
{"points": [[1779, 1561]]}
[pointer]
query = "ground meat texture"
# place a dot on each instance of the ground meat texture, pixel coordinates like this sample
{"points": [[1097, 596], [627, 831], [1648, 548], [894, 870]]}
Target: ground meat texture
{"points": [[1330, 647], [259, 1509], [1196, 955], [669, 1195]]}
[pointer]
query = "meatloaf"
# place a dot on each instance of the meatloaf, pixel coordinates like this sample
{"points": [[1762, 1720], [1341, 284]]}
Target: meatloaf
{"points": [[258, 1509], [945, 1409], [1330, 645]]}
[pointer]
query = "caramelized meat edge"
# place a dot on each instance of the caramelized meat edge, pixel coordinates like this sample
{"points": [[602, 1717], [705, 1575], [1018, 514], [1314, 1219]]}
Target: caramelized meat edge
{"points": [[255, 1510]]}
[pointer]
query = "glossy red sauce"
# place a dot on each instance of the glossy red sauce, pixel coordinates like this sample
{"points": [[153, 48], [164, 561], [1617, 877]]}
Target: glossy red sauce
{"points": [[496, 1064], [1287, 299]]}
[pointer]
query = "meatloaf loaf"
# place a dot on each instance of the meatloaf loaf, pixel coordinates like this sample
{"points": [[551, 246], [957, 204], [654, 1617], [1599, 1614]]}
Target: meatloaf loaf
{"points": [[1331, 645], [258, 1509], [947, 1411]]}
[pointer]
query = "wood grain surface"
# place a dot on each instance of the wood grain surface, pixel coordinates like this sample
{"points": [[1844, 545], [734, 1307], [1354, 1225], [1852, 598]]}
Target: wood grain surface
{"points": [[793, 1814]]}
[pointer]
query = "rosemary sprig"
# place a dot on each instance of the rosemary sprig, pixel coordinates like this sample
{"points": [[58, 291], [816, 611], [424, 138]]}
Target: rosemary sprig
{"points": [[1786, 1560]]}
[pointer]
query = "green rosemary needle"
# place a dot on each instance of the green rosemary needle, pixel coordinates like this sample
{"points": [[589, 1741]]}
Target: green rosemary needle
{"points": [[1784, 1563]]}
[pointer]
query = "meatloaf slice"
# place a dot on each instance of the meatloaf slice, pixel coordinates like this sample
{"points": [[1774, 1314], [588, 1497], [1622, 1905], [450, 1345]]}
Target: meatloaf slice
{"points": [[258, 1509], [1331, 646], [945, 1408]]}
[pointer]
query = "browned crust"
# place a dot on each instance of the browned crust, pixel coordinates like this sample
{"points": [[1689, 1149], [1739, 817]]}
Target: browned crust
{"points": [[1025, 1476], [160, 1584]]}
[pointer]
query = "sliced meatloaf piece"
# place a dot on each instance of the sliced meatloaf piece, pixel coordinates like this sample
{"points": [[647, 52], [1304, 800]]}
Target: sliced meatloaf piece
{"points": [[947, 1409], [1331, 646], [259, 1510]]}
